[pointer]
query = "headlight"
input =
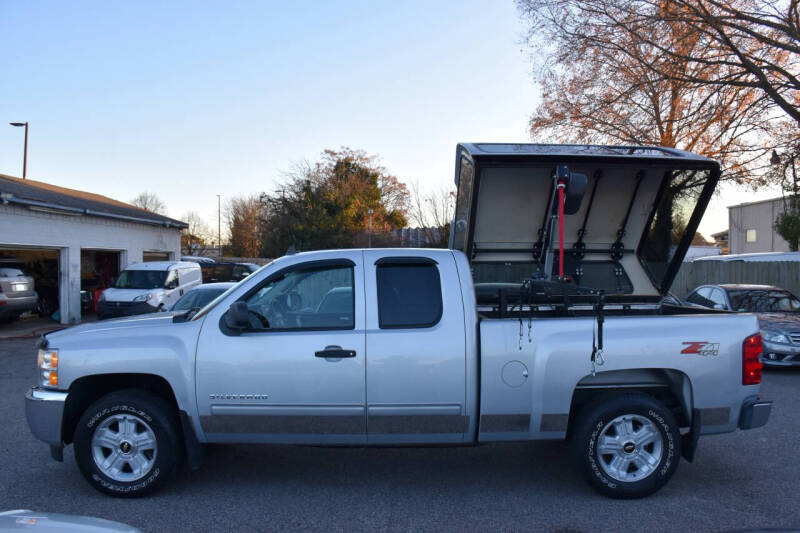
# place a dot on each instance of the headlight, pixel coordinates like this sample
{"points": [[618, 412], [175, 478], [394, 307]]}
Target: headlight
{"points": [[48, 365], [143, 297], [774, 336]]}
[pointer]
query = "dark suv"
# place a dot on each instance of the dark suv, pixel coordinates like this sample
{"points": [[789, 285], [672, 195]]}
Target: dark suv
{"points": [[225, 272]]}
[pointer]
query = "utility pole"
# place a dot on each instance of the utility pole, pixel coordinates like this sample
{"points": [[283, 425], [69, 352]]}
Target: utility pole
{"points": [[219, 226], [369, 212], [25, 154]]}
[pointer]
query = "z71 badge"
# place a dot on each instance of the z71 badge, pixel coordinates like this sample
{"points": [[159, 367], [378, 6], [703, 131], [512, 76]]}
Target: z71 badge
{"points": [[701, 348]]}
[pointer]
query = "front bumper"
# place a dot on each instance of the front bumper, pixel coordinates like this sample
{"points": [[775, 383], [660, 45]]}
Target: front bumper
{"points": [[110, 309], [754, 414], [776, 354], [44, 410]]}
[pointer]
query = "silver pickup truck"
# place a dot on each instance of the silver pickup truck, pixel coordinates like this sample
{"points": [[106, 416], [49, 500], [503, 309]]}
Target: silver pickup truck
{"points": [[543, 320]]}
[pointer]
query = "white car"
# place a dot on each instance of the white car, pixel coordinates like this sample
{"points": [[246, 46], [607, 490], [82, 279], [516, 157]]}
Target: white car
{"points": [[148, 287]]}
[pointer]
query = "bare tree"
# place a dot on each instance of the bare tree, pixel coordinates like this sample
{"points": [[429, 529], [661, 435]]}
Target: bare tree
{"points": [[244, 215], [433, 212], [606, 78], [198, 238], [753, 43], [150, 202]]}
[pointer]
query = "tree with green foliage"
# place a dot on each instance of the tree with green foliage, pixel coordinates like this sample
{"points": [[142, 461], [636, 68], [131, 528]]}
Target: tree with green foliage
{"points": [[327, 204]]}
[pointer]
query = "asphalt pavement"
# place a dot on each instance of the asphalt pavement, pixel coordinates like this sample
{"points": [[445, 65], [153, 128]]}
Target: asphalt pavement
{"points": [[743, 480]]}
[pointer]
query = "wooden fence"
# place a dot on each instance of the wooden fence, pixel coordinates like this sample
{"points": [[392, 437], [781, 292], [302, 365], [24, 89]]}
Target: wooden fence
{"points": [[784, 274]]}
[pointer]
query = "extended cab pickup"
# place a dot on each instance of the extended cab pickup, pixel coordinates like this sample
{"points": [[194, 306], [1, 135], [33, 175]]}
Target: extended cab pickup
{"points": [[497, 339]]}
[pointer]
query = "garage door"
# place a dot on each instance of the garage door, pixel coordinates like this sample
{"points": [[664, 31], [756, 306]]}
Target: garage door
{"points": [[42, 266]]}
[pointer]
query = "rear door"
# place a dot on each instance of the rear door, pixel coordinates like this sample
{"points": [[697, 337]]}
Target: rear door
{"points": [[416, 349]]}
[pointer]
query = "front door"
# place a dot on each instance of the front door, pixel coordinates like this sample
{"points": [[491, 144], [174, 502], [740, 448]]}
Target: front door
{"points": [[297, 374]]}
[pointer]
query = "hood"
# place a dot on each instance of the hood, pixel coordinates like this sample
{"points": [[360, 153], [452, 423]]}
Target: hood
{"points": [[127, 295], [628, 230], [785, 322], [127, 323]]}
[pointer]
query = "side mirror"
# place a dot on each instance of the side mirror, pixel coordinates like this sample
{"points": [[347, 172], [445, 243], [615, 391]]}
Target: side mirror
{"points": [[236, 317]]}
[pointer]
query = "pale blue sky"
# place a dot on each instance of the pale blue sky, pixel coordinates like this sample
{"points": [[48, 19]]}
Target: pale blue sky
{"points": [[191, 99]]}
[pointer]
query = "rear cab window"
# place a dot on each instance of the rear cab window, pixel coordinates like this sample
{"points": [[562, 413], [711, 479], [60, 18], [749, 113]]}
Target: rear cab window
{"points": [[409, 293]]}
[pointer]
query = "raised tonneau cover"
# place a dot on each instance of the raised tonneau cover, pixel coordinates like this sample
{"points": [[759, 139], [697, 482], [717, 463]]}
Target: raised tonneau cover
{"points": [[628, 237]]}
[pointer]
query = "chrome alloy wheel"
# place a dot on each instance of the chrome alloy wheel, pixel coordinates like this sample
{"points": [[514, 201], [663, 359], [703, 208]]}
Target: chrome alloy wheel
{"points": [[124, 447], [629, 448]]}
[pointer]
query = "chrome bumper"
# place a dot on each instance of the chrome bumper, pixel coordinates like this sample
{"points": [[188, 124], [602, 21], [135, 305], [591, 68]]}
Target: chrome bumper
{"points": [[44, 410], [754, 414]]}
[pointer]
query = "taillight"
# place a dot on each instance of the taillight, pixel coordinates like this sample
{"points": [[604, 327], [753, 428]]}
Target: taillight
{"points": [[751, 360]]}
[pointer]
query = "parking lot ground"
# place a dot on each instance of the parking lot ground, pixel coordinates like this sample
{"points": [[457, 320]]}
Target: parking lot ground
{"points": [[743, 480], [25, 327]]}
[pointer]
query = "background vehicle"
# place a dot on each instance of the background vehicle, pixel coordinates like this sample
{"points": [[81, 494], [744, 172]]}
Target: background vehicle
{"points": [[147, 288], [25, 520], [778, 313], [197, 259], [226, 272], [199, 296], [431, 346], [17, 294]]}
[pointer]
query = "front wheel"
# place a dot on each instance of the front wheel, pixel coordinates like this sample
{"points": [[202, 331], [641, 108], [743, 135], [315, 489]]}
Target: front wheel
{"points": [[627, 445], [127, 443]]}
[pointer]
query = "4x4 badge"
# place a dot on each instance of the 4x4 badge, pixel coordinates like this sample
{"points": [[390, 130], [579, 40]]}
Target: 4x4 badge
{"points": [[701, 348]]}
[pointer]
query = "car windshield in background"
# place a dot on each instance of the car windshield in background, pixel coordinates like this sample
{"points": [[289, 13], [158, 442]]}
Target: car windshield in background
{"points": [[141, 279], [8, 272], [196, 299], [766, 301]]}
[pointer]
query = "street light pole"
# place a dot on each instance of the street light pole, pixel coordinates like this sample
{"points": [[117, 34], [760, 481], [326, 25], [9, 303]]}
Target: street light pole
{"points": [[369, 212], [219, 226], [25, 154]]}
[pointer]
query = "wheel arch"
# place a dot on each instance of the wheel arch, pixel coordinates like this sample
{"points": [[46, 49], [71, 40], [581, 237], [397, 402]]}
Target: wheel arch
{"points": [[86, 390], [671, 387]]}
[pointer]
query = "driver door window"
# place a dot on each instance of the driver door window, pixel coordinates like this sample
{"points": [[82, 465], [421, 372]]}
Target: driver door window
{"points": [[305, 298]]}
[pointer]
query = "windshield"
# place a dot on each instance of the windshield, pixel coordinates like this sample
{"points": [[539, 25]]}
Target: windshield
{"points": [[196, 299], [763, 301], [141, 279]]}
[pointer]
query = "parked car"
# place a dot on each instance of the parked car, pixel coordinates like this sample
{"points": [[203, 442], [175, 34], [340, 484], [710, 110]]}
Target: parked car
{"points": [[37, 521], [17, 294], [778, 312], [199, 296], [392, 347], [197, 259], [754, 257], [226, 272], [147, 288]]}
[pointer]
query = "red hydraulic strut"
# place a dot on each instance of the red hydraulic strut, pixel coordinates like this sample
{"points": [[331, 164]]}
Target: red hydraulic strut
{"points": [[561, 187]]}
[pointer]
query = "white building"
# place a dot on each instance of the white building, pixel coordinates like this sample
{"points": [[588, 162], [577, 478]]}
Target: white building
{"points": [[72, 240], [752, 227]]}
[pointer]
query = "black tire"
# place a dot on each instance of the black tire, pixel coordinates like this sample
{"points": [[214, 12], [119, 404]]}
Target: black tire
{"points": [[145, 407], [595, 420]]}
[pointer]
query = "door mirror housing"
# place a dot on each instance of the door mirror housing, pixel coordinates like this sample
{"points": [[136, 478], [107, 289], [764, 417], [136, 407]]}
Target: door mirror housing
{"points": [[236, 317]]}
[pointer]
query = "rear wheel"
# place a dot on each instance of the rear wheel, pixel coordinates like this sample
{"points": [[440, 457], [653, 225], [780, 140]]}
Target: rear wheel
{"points": [[127, 443], [627, 445]]}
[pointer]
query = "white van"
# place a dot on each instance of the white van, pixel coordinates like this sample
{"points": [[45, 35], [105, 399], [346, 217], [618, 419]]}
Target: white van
{"points": [[148, 287]]}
